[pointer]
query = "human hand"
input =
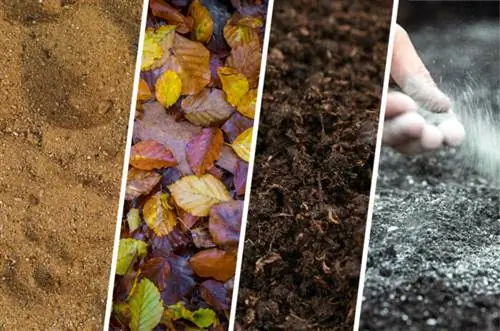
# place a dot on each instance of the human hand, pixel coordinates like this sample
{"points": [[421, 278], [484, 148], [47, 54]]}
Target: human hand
{"points": [[405, 129]]}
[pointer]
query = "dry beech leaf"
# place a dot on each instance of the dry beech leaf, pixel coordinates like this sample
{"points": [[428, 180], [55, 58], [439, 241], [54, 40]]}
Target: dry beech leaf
{"points": [[191, 61], [215, 294], [155, 43], [246, 59], [143, 93], [207, 107], [140, 182], [203, 22], [133, 219], [228, 160], [129, 250], [204, 149], [235, 125], [202, 238], [161, 9], [234, 84], [180, 282], [168, 88], [156, 124], [149, 155], [159, 215], [241, 145], [214, 263], [248, 103], [240, 177], [225, 223], [157, 269], [188, 220], [241, 30], [197, 195]]}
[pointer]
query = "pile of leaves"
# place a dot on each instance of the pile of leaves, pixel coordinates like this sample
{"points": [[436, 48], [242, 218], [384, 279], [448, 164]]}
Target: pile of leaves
{"points": [[188, 165]]}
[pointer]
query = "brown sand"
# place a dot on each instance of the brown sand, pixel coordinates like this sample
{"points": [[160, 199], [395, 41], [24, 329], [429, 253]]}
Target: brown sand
{"points": [[65, 81]]}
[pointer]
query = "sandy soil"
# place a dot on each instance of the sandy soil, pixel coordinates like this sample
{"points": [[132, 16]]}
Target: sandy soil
{"points": [[65, 84]]}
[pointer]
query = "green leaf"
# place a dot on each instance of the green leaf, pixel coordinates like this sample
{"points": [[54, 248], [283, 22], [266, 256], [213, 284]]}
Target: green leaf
{"points": [[129, 250], [202, 318], [146, 307], [133, 219]]}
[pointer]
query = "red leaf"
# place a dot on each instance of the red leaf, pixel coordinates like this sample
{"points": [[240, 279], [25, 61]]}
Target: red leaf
{"points": [[188, 220], [204, 149], [235, 125], [225, 223], [161, 9], [214, 263], [140, 182], [215, 294], [157, 125], [240, 177], [157, 269], [149, 155]]}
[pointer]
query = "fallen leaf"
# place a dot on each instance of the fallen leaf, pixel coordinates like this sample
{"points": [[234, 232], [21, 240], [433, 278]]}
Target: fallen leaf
{"points": [[204, 149], [215, 294], [160, 8], [129, 250], [177, 240], [157, 125], [228, 160], [143, 93], [241, 145], [180, 282], [215, 62], [140, 182], [225, 223], [202, 238], [240, 177], [214, 263], [157, 269], [241, 30], [124, 286], [246, 59], [207, 107], [197, 195], [155, 43], [168, 88], [250, 7], [159, 215], [203, 23], [202, 318], [220, 13], [265, 260], [235, 125], [149, 155], [191, 61], [146, 307], [248, 103], [234, 84], [133, 219]]}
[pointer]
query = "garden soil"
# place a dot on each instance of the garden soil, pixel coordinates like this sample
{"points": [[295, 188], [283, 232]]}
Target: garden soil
{"points": [[312, 174], [66, 78]]}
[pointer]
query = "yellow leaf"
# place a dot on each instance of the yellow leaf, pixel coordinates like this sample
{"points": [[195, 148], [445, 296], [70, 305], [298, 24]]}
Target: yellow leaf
{"points": [[159, 215], [197, 195], [248, 103], [145, 306], [155, 42], [203, 23], [241, 145], [191, 61], [241, 30], [234, 84], [168, 88]]}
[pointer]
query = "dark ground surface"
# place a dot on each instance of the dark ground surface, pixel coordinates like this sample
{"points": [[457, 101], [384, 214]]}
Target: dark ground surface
{"points": [[434, 259], [312, 174]]}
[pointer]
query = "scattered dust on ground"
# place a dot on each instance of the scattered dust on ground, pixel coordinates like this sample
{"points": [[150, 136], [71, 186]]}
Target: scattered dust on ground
{"points": [[65, 84]]}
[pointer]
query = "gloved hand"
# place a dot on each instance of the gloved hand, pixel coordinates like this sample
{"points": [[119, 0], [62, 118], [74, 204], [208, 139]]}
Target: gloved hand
{"points": [[405, 129]]}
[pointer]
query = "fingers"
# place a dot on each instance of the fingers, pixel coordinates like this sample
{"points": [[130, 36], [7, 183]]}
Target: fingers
{"points": [[410, 73], [403, 128], [453, 131], [399, 103]]}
